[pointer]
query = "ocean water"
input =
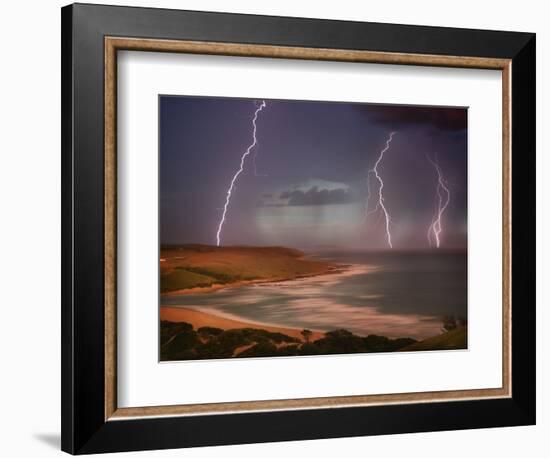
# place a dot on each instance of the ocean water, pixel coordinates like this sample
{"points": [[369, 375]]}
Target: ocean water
{"points": [[396, 294]]}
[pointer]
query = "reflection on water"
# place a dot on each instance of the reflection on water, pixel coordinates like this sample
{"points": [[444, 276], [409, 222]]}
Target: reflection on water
{"points": [[392, 294]]}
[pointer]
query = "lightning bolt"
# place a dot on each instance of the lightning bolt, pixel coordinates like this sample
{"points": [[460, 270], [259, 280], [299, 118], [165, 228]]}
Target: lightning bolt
{"points": [[380, 200], [435, 229], [239, 171]]}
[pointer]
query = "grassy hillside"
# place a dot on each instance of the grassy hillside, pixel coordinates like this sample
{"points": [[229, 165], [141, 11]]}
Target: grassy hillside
{"points": [[452, 340], [191, 266]]}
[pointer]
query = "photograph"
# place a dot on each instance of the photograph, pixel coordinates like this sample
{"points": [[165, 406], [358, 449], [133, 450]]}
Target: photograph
{"points": [[280, 227], [301, 228]]}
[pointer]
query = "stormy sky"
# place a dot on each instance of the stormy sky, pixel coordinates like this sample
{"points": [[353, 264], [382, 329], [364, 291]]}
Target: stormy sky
{"points": [[308, 188]]}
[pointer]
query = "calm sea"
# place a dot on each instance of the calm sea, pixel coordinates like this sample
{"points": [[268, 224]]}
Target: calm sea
{"points": [[394, 294]]}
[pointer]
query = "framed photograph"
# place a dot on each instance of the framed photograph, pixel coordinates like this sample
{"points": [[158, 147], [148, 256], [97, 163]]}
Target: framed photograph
{"points": [[281, 228]]}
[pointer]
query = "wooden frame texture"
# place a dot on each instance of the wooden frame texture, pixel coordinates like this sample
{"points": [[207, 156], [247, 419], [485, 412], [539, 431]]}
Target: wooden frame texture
{"points": [[114, 44], [91, 420]]}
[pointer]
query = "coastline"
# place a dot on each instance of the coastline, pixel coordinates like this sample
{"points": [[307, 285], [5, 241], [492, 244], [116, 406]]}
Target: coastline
{"points": [[200, 319], [334, 269]]}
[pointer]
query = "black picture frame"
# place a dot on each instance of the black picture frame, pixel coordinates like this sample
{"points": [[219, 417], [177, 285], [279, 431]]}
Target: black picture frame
{"points": [[84, 428]]}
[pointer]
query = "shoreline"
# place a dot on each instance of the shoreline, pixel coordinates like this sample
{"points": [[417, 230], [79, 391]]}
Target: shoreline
{"points": [[332, 270], [199, 318]]}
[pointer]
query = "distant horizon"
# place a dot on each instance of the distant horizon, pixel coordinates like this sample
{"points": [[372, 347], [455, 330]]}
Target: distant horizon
{"points": [[321, 249]]}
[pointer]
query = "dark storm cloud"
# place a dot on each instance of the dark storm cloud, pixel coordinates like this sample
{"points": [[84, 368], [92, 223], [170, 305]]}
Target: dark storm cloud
{"points": [[316, 153], [316, 196], [444, 119]]}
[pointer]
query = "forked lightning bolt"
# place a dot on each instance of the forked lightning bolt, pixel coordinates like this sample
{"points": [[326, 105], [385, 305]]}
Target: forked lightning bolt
{"points": [[435, 229], [380, 201], [239, 171]]}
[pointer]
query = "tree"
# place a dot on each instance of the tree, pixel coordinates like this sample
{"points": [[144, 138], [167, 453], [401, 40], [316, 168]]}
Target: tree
{"points": [[306, 333], [462, 321], [449, 323]]}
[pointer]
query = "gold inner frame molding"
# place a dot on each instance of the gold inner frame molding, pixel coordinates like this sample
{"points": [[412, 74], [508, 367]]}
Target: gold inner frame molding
{"points": [[114, 44]]}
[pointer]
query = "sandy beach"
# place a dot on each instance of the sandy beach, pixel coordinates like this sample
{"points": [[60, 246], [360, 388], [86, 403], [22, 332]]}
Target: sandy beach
{"points": [[199, 319]]}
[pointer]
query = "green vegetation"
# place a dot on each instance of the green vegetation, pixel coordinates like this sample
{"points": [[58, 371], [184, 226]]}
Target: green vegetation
{"points": [[192, 266], [181, 278], [221, 275], [450, 322], [455, 339], [343, 341], [179, 341]]}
